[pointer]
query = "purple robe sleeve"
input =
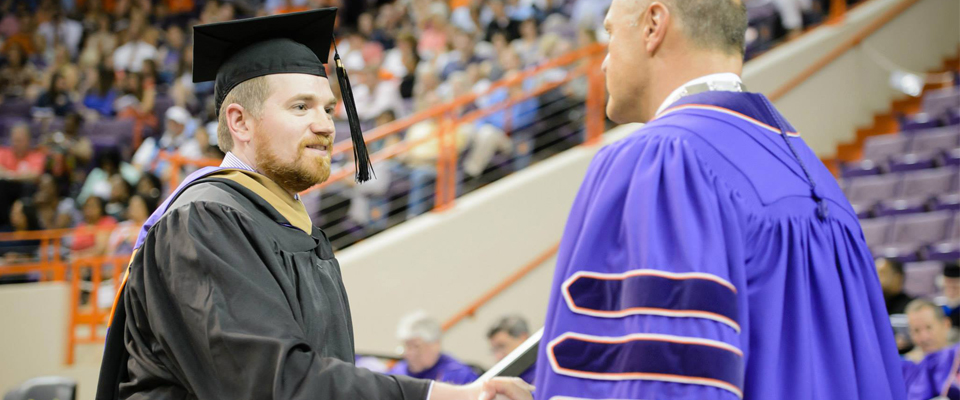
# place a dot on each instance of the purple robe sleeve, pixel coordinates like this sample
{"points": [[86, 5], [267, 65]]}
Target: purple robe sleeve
{"points": [[647, 301]]}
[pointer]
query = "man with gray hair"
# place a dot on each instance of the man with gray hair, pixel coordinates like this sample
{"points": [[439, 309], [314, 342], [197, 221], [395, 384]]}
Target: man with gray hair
{"points": [[506, 335], [422, 355], [709, 255]]}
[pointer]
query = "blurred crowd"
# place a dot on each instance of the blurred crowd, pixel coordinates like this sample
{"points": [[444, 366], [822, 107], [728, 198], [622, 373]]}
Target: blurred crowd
{"points": [[91, 92]]}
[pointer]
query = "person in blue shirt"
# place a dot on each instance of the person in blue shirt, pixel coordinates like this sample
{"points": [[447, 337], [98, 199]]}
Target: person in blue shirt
{"points": [[422, 354], [709, 255]]}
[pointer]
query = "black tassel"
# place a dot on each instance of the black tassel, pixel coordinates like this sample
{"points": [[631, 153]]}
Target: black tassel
{"points": [[360, 154]]}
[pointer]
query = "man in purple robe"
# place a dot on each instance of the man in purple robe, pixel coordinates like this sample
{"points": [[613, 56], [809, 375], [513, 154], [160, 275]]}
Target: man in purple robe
{"points": [[709, 255], [936, 375], [423, 357]]}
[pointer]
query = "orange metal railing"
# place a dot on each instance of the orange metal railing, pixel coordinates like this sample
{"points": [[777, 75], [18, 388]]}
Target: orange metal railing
{"points": [[51, 264], [588, 59], [475, 305]]}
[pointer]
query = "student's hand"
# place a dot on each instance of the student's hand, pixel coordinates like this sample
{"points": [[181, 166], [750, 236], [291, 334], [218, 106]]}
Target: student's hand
{"points": [[506, 388], [494, 389]]}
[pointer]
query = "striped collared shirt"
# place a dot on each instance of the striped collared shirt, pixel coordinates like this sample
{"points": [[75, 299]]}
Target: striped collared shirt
{"points": [[232, 161]]}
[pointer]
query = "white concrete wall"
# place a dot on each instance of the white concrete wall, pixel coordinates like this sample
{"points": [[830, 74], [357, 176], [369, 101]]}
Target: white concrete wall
{"points": [[33, 331], [442, 262], [829, 106]]}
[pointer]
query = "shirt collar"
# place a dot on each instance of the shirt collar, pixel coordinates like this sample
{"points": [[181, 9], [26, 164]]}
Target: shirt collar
{"points": [[678, 92], [232, 161]]}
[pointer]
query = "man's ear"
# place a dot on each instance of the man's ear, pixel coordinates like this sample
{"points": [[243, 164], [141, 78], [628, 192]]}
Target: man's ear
{"points": [[655, 22], [240, 123]]}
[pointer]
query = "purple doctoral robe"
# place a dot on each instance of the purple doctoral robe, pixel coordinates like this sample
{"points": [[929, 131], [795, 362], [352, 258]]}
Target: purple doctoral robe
{"points": [[705, 257]]}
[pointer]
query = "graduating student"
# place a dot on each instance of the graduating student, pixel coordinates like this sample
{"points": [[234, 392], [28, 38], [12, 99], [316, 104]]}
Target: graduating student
{"points": [[232, 292], [709, 255]]}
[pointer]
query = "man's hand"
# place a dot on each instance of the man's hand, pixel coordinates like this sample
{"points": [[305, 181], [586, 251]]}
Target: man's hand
{"points": [[494, 389], [506, 388]]}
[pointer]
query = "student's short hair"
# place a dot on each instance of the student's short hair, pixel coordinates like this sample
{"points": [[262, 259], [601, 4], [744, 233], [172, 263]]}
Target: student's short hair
{"points": [[249, 94]]}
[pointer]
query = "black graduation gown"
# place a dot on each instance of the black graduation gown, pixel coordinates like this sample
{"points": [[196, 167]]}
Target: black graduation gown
{"points": [[228, 299]]}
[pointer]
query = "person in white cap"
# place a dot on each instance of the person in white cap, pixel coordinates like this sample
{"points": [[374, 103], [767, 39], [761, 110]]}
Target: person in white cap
{"points": [[175, 139]]}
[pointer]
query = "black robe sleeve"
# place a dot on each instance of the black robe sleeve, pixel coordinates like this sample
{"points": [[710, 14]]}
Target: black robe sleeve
{"points": [[207, 318]]}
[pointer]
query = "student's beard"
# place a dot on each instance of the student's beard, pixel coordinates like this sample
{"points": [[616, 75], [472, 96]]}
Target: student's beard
{"points": [[297, 176]]}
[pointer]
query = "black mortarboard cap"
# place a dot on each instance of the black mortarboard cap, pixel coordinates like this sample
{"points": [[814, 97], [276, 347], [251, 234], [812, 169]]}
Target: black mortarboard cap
{"points": [[236, 51], [951, 270]]}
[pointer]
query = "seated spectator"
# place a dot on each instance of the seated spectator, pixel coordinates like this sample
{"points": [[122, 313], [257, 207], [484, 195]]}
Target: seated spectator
{"points": [[120, 192], [98, 180], [528, 44], [53, 210], [367, 26], [374, 95], [502, 22], [506, 335], [462, 56], [149, 185], [141, 46], [422, 355], [68, 153], [137, 101], [951, 292], [21, 161], [18, 74], [23, 218], [62, 30], [101, 97], [929, 328], [99, 45], [175, 140], [890, 272], [57, 97], [935, 376], [171, 53], [467, 17], [92, 236], [433, 32], [124, 237]]}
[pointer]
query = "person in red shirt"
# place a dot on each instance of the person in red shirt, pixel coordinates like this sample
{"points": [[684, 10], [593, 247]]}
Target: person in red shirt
{"points": [[92, 236], [20, 161]]}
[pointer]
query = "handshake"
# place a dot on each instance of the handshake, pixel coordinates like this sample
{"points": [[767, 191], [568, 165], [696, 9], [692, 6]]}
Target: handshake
{"points": [[493, 389]]}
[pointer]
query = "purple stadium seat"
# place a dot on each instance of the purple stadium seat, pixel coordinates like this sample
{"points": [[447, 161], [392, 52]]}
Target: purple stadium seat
{"points": [[952, 157], [160, 106], [952, 118], [6, 124], [918, 121], [949, 248], [930, 182], [39, 128], [912, 162], [876, 151], [110, 133], [911, 233], [949, 201], [865, 192], [920, 278], [876, 231], [926, 149], [935, 140], [15, 108], [917, 189], [938, 102]]}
